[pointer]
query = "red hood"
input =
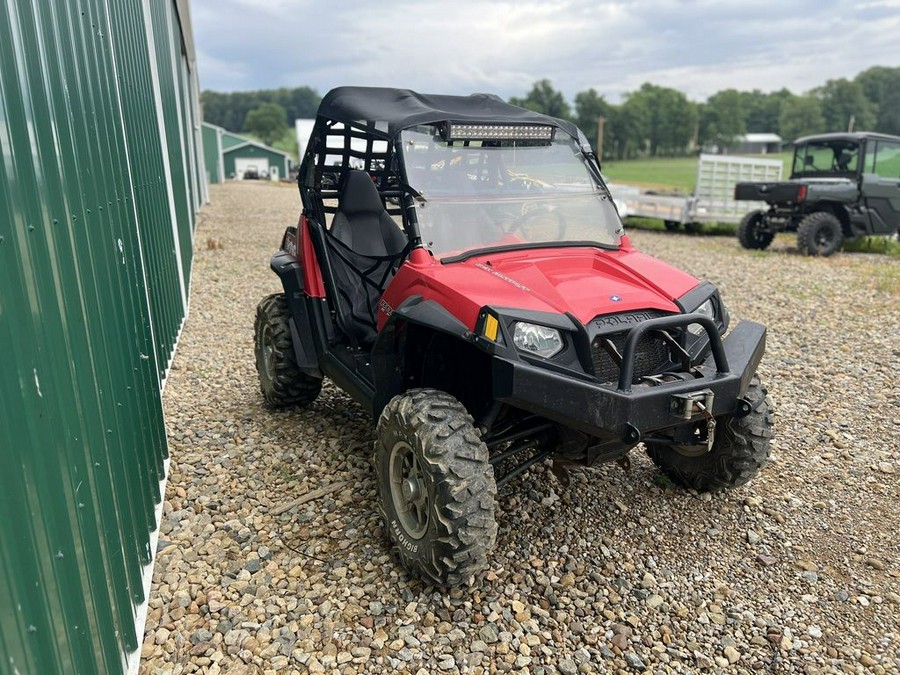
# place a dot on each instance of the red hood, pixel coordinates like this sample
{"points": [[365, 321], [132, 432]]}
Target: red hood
{"points": [[584, 281]]}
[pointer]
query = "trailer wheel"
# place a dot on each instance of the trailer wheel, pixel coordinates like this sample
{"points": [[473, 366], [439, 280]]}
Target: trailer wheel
{"points": [[740, 449], [282, 383], [436, 487], [819, 233], [671, 225], [751, 233], [693, 228]]}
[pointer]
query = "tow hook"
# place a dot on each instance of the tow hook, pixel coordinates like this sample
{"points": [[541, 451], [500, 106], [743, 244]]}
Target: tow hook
{"points": [[696, 403], [692, 403]]}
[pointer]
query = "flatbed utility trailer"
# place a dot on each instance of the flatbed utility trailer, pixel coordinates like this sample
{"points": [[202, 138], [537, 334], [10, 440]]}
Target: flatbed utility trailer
{"points": [[713, 199]]}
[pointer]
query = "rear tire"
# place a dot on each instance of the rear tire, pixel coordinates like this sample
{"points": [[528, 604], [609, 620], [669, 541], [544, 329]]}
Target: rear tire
{"points": [[740, 449], [436, 487], [281, 382], [750, 233], [820, 234], [671, 225]]}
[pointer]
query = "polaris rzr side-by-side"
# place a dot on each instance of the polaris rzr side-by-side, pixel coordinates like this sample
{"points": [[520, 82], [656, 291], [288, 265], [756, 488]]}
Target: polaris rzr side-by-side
{"points": [[460, 270]]}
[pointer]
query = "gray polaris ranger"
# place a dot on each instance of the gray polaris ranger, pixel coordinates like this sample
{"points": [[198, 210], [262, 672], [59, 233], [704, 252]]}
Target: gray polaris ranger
{"points": [[842, 186]]}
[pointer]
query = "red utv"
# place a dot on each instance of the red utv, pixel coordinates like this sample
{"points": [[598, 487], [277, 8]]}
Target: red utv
{"points": [[460, 270]]}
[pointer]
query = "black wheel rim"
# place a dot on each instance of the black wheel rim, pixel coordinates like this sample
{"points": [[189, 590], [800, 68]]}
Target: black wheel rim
{"points": [[409, 492], [268, 355], [756, 231], [824, 238]]}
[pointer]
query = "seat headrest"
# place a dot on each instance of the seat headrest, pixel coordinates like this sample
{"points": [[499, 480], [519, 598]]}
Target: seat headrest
{"points": [[359, 194]]}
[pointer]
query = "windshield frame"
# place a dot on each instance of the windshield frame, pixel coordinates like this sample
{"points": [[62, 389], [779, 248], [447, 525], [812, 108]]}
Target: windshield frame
{"points": [[843, 145], [417, 197]]}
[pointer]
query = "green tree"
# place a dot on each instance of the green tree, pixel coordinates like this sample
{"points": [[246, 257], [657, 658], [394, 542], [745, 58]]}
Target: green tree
{"points": [[229, 110], [801, 116], [763, 110], [843, 100], [670, 119], [268, 121], [543, 98], [882, 87], [724, 117], [589, 105], [626, 128]]}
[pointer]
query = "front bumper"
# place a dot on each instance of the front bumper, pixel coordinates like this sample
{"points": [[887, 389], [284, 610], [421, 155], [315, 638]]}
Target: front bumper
{"points": [[628, 411]]}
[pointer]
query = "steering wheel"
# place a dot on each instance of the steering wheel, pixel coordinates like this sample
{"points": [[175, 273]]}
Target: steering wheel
{"points": [[542, 223], [518, 183]]}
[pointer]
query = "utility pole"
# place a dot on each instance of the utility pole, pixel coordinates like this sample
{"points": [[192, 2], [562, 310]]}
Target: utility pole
{"points": [[850, 125], [601, 122]]}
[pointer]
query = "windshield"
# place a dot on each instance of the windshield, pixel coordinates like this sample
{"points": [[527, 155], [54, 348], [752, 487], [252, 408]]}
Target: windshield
{"points": [[490, 194], [837, 158]]}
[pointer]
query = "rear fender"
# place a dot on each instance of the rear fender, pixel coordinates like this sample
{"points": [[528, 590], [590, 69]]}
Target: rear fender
{"points": [[836, 209], [290, 270]]}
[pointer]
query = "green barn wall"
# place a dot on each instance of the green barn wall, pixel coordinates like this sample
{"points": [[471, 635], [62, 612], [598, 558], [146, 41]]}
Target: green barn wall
{"points": [[274, 158], [100, 180], [212, 152]]}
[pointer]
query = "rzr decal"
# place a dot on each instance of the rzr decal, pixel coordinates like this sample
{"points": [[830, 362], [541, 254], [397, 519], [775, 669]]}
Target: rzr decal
{"points": [[500, 275]]}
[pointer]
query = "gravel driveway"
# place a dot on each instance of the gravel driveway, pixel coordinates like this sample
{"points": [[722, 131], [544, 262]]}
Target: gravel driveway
{"points": [[797, 572]]}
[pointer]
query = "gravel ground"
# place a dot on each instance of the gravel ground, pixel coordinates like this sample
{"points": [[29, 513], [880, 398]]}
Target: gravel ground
{"points": [[795, 573]]}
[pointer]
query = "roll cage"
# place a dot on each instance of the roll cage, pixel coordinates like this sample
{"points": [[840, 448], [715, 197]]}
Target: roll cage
{"points": [[359, 128]]}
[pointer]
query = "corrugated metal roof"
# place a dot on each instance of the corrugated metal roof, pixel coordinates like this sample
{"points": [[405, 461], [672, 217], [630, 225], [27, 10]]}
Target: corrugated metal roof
{"points": [[261, 146], [761, 138]]}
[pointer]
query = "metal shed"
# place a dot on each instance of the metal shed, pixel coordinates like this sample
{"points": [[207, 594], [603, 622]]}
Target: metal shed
{"points": [[101, 175], [759, 144], [269, 161]]}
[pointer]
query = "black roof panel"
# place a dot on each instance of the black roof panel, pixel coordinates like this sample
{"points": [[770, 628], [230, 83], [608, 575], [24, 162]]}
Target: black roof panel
{"points": [[855, 136], [402, 108]]}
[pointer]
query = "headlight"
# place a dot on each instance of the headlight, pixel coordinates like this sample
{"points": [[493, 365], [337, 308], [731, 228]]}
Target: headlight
{"points": [[539, 340], [707, 309]]}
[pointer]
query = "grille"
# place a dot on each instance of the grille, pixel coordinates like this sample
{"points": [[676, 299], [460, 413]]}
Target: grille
{"points": [[652, 354]]}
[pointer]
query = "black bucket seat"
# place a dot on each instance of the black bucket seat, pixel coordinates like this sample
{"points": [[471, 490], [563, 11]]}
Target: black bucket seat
{"points": [[367, 244]]}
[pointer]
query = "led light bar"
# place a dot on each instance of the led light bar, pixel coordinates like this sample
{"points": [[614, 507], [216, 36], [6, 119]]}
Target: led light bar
{"points": [[503, 132]]}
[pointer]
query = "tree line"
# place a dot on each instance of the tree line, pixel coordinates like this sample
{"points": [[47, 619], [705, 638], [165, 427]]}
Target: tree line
{"points": [[230, 110], [653, 121], [659, 121]]}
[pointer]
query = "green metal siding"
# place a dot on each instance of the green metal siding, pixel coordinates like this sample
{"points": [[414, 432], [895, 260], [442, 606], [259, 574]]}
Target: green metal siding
{"points": [[274, 158], [98, 161], [212, 152], [229, 140]]}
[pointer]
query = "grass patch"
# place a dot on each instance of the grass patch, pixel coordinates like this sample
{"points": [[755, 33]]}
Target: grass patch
{"points": [[670, 173], [885, 245], [710, 229], [888, 281]]}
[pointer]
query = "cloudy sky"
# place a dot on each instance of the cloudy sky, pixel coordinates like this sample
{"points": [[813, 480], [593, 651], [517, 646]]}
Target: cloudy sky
{"points": [[463, 46]]}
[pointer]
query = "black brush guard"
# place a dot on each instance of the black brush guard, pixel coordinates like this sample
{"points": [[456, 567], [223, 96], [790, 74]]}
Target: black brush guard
{"points": [[630, 411]]}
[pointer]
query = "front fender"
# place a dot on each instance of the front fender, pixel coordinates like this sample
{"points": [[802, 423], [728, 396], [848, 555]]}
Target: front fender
{"points": [[385, 353]]}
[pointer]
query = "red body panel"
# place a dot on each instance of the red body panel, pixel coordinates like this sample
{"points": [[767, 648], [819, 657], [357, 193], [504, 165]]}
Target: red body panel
{"points": [[584, 281], [312, 275]]}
